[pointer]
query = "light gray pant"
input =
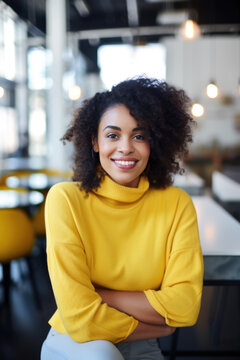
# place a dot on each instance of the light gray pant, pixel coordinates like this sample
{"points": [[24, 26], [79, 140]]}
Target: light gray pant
{"points": [[61, 347]]}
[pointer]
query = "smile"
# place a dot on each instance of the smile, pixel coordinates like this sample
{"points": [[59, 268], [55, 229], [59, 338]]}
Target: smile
{"points": [[122, 164]]}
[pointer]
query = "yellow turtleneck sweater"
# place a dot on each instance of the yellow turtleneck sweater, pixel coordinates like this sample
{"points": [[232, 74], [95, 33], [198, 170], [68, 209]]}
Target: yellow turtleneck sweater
{"points": [[121, 238]]}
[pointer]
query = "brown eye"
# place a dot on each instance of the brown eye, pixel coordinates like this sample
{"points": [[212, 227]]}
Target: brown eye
{"points": [[139, 137], [112, 136]]}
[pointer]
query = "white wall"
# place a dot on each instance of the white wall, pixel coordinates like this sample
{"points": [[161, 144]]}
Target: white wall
{"points": [[190, 65]]}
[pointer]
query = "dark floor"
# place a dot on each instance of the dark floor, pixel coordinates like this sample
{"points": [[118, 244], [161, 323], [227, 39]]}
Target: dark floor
{"points": [[23, 328]]}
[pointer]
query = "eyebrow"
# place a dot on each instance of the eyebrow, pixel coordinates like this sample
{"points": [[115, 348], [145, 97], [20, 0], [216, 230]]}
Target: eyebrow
{"points": [[119, 129]]}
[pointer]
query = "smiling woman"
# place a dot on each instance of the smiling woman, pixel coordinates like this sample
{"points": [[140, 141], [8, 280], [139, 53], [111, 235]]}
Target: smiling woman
{"points": [[124, 255]]}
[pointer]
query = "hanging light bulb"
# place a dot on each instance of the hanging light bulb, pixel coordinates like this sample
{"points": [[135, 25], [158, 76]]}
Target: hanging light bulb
{"points": [[197, 110], [190, 30], [1, 92], [212, 90], [75, 93]]}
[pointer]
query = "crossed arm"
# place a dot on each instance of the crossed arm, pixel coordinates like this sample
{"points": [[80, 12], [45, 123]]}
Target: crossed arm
{"points": [[151, 324]]}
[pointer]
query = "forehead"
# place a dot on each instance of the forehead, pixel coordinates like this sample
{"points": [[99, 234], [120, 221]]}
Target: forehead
{"points": [[118, 115]]}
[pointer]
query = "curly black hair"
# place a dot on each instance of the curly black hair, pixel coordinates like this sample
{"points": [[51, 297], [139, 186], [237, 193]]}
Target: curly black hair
{"points": [[161, 108]]}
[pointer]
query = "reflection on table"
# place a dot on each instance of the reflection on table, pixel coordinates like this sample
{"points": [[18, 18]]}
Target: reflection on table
{"points": [[220, 240], [224, 188], [11, 199], [219, 231], [37, 181], [190, 182], [226, 191]]}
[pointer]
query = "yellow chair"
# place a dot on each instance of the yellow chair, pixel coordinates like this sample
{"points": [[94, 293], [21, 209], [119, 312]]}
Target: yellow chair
{"points": [[17, 173], [16, 241], [38, 218]]}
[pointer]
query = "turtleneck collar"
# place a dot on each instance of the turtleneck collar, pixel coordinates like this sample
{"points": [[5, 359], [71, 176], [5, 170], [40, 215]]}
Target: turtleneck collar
{"points": [[115, 192]]}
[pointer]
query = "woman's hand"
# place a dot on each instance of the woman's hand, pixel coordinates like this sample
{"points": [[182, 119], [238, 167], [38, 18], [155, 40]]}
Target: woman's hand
{"points": [[147, 331]]}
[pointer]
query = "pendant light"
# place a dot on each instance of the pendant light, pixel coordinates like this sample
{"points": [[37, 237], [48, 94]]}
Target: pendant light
{"points": [[74, 93], [197, 109], [190, 30], [212, 90]]}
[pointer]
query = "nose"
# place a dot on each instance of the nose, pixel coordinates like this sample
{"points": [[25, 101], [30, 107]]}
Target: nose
{"points": [[125, 146]]}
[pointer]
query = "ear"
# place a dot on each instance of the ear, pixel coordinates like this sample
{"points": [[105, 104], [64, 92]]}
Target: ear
{"points": [[95, 144]]}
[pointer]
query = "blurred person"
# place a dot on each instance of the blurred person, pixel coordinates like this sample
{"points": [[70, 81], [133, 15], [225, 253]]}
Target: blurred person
{"points": [[123, 248]]}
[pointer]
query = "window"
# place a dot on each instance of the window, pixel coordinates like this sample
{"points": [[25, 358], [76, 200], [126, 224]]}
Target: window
{"points": [[7, 41], [11, 75], [119, 62], [38, 59], [9, 131]]}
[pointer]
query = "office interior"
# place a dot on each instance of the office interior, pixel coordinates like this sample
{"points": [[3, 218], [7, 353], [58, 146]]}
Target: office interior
{"points": [[54, 54]]}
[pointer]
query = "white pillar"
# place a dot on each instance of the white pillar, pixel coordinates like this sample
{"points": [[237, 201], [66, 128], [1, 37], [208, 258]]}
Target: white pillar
{"points": [[56, 43], [21, 91]]}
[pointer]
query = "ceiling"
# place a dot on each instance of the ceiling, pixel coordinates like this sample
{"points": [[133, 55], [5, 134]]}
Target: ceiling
{"points": [[115, 13], [140, 16]]}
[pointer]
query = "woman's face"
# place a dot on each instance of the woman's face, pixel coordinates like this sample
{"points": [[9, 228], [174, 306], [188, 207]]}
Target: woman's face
{"points": [[122, 145]]}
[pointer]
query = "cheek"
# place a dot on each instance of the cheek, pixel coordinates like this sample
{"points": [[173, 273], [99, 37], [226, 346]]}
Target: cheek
{"points": [[104, 148]]}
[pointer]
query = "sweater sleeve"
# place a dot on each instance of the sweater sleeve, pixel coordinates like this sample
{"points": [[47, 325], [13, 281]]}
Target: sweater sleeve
{"points": [[179, 297], [82, 314]]}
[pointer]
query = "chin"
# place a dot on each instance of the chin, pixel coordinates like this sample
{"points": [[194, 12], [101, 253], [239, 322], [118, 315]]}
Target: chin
{"points": [[128, 183]]}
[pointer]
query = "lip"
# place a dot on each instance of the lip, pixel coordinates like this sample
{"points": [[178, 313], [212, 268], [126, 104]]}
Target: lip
{"points": [[125, 163]]}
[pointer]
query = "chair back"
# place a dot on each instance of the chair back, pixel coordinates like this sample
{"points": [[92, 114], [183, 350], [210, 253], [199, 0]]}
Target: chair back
{"points": [[17, 173], [16, 235]]}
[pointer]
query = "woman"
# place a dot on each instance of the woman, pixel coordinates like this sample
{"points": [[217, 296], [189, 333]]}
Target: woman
{"points": [[123, 249]]}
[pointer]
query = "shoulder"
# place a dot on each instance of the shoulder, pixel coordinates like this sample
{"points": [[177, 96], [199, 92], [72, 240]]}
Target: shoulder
{"points": [[171, 194], [173, 200], [67, 186], [67, 190]]}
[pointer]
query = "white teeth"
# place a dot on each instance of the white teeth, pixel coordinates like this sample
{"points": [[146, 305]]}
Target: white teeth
{"points": [[120, 162]]}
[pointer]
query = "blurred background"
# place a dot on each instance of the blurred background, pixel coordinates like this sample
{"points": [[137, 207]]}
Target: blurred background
{"points": [[56, 53]]}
